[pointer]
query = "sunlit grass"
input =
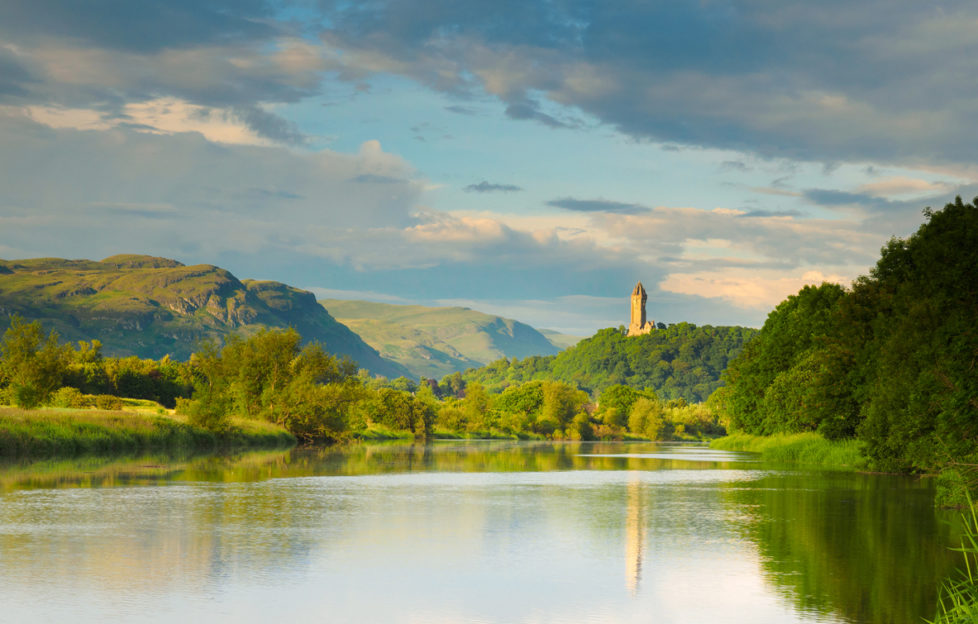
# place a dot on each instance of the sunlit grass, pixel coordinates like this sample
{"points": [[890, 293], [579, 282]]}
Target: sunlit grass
{"points": [[380, 432], [67, 432], [798, 448]]}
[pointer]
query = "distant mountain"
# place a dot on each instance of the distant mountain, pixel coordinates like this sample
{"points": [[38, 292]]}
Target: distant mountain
{"points": [[150, 307], [434, 342], [559, 340]]}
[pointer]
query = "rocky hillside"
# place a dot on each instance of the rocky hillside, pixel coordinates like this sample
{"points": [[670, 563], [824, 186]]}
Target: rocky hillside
{"points": [[151, 306], [434, 342]]}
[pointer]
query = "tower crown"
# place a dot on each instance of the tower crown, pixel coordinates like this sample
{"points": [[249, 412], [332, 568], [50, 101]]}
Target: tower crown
{"points": [[639, 290]]}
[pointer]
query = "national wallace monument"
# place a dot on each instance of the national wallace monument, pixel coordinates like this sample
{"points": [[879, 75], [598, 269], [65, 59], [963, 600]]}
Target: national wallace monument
{"points": [[638, 325]]}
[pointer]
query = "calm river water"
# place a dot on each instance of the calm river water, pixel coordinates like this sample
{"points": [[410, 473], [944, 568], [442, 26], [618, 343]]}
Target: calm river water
{"points": [[467, 532]]}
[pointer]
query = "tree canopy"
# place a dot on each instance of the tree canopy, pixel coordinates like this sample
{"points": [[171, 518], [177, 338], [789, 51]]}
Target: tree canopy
{"points": [[890, 360]]}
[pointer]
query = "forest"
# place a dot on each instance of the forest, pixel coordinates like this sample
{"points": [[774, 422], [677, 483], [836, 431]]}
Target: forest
{"points": [[889, 361]]}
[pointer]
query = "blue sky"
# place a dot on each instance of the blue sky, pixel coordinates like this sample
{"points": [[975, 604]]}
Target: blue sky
{"points": [[533, 159]]}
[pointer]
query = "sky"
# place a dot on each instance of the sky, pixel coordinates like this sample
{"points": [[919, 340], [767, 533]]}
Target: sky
{"points": [[533, 159]]}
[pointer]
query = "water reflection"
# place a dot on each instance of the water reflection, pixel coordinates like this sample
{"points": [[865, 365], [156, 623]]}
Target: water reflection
{"points": [[634, 534], [465, 532]]}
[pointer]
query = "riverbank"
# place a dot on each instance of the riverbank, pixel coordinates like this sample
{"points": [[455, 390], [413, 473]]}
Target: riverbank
{"points": [[64, 432], [799, 448]]}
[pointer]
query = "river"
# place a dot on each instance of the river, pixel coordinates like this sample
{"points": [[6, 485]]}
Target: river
{"points": [[474, 532]]}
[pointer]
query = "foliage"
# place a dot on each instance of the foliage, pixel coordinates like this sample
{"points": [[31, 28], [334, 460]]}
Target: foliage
{"points": [[958, 603], [69, 397], [803, 448], [30, 364], [108, 402], [59, 433], [645, 417], [680, 361], [269, 376], [890, 361]]}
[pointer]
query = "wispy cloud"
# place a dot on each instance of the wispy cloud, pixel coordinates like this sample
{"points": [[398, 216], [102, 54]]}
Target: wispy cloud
{"points": [[596, 205], [487, 187]]}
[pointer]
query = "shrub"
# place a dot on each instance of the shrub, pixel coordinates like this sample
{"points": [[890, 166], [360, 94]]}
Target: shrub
{"points": [[108, 402], [69, 397]]}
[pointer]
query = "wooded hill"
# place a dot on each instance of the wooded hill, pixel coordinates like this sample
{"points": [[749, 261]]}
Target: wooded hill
{"points": [[436, 341], [151, 307], [682, 361]]}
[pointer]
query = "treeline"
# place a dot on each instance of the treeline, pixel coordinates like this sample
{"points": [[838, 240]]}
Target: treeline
{"points": [[36, 369], [890, 361], [681, 361], [318, 397]]}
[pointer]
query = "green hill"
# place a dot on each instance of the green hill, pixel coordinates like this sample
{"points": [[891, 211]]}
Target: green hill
{"points": [[150, 307], [682, 361], [434, 342]]}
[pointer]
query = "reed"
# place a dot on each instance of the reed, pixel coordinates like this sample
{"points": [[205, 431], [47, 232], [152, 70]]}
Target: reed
{"points": [[958, 603], [800, 448]]}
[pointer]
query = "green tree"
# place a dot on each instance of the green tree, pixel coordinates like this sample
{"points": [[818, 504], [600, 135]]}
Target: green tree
{"points": [[767, 378], [615, 403], [561, 402], [32, 365], [646, 418], [477, 406]]}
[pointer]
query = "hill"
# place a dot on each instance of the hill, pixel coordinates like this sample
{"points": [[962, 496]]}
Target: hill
{"points": [[151, 307], [559, 340], [682, 361], [433, 341]]}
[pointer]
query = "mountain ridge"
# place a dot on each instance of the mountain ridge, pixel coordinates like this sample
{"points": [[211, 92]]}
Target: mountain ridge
{"points": [[444, 339], [151, 307]]}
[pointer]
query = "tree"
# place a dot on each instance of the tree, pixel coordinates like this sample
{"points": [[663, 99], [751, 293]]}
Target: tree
{"points": [[561, 403], [477, 406], [645, 417], [616, 403], [32, 365], [766, 379]]}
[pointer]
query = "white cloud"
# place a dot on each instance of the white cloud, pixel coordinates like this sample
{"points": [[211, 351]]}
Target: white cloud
{"points": [[167, 115], [762, 289], [901, 185]]}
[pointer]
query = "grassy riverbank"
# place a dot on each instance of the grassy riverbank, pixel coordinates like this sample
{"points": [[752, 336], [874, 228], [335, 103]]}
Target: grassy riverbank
{"points": [[67, 432], [958, 603], [800, 448]]}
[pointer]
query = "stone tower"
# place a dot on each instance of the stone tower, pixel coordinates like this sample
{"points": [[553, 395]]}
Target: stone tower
{"points": [[638, 324]]}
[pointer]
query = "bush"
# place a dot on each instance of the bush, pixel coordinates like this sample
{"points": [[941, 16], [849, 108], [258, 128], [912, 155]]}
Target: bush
{"points": [[69, 397], [27, 396], [108, 402], [205, 414], [952, 489]]}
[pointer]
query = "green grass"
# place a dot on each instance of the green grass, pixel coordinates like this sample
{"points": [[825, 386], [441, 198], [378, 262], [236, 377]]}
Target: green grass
{"points": [[798, 448], [69, 432], [958, 603], [377, 433]]}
